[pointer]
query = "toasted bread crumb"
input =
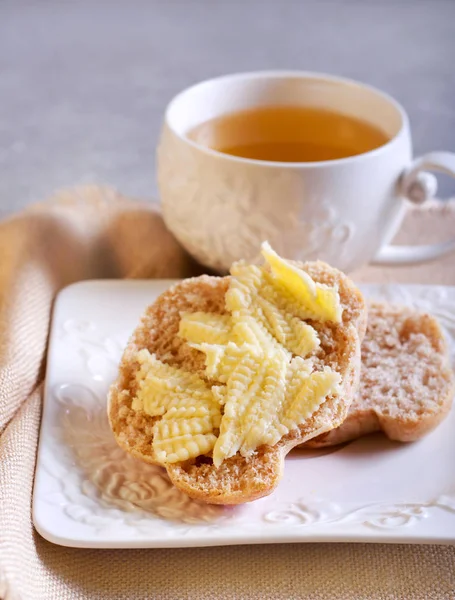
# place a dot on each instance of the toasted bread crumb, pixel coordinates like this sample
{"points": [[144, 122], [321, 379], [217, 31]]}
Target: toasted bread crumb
{"points": [[407, 384]]}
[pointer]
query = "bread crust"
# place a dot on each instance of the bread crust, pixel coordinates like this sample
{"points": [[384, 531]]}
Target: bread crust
{"points": [[238, 479], [407, 384]]}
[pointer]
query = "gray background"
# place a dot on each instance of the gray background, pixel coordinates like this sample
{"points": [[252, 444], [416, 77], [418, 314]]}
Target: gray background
{"points": [[83, 85]]}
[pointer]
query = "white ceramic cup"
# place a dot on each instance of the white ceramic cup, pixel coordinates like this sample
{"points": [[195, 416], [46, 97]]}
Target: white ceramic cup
{"points": [[345, 211]]}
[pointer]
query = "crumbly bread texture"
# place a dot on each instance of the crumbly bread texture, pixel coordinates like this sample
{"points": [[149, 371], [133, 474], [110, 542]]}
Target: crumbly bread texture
{"points": [[238, 479], [407, 385]]}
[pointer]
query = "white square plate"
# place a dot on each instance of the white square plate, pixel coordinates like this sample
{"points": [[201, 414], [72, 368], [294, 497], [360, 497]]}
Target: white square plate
{"points": [[90, 493]]}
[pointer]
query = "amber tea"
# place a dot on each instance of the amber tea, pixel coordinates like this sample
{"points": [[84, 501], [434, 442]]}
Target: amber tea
{"points": [[289, 134]]}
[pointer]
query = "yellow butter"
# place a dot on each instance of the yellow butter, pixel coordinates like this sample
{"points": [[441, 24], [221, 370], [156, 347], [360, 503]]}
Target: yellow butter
{"points": [[206, 327], [189, 409], [261, 381], [320, 299]]}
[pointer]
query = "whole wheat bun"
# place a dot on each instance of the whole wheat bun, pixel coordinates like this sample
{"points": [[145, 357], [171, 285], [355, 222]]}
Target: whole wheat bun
{"points": [[238, 479], [406, 386]]}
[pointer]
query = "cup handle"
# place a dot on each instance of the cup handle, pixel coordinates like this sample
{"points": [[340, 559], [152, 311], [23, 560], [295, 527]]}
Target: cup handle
{"points": [[419, 186]]}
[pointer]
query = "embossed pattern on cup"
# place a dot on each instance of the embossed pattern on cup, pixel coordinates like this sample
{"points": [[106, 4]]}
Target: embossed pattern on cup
{"points": [[222, 207]]}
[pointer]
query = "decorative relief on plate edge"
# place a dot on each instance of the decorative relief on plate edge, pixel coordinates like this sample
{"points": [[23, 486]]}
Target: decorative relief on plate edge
{"points": [[100, 354], [100, 484], [373, 515]]}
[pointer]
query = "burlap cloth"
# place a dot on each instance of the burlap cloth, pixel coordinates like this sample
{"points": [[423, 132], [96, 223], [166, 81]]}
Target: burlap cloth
{"points": [[92, 233]]}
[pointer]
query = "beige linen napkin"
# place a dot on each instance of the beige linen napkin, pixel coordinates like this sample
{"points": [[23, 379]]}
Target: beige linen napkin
{"points": [[93, 232]]}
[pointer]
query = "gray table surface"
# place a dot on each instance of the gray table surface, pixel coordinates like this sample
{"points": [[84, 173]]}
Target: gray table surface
{"points": [[83, 85]]}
